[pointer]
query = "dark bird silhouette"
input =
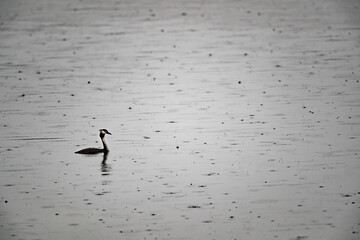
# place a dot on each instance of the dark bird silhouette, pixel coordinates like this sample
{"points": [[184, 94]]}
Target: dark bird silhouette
{"points": [[97, 150]]}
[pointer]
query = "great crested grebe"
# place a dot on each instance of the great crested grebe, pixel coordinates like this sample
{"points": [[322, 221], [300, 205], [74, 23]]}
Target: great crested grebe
{"points": [[97, 150]]}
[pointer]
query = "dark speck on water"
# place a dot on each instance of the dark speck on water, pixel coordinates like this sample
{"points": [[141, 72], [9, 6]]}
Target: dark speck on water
{"points": [[194, 206]]}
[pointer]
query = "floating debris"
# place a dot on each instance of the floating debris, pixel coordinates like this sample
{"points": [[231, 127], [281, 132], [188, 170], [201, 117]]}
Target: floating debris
{"points": [[194, 206]]}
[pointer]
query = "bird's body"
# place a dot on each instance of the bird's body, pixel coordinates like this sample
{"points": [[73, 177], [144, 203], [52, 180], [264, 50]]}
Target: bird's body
{"points": [[91, 151], [97, 150]]}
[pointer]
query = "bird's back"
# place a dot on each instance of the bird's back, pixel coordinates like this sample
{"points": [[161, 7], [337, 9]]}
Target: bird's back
{"points": [[90, 151]]}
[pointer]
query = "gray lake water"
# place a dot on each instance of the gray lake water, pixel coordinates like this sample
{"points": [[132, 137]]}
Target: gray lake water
{"points": [[229, 119]]}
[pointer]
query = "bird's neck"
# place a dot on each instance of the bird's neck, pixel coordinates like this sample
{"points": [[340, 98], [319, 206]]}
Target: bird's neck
{"points": [[104, 144]]}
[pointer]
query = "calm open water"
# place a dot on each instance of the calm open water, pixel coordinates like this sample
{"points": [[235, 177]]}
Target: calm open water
{"points": [[230, 119]]}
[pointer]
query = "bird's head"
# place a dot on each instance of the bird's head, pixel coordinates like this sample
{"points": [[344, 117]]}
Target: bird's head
{"points": [[104, 131]]}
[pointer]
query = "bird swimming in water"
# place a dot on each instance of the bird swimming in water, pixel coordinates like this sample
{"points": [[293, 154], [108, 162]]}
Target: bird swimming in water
{"points": [[97, 150]]}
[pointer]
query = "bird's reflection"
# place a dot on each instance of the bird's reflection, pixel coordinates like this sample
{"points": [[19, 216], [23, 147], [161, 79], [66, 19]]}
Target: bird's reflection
{"points": [[105, 157], [105, 168]]}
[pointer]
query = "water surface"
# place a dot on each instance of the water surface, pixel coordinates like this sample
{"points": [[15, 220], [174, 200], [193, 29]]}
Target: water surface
{"points": [[230, 119]]}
